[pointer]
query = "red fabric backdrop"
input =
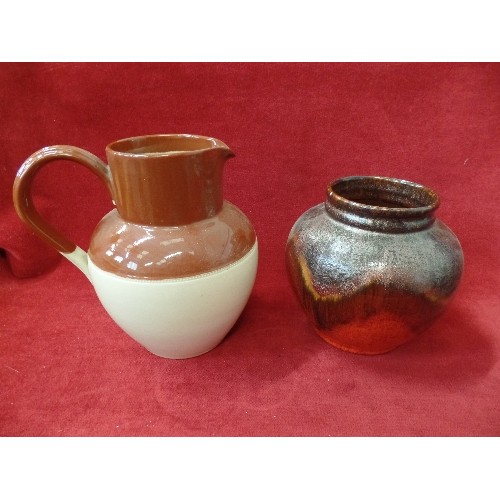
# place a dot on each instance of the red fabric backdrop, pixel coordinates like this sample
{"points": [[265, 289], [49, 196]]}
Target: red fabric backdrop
{"points": [[67, 369]]}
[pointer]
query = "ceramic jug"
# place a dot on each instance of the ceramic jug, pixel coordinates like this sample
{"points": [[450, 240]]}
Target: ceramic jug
{"points": [[174, 263], [371, 266]]}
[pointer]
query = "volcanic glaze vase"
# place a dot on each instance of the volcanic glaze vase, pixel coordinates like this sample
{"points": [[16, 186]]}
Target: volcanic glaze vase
{"points": [[174, 264], [372, 267]]}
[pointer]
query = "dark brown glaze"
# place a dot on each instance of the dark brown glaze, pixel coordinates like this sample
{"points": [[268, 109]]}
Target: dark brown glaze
{"points": [[381, 203], [371, 275], [22, 198], [153, 252], [170, 218], [373, 320], [167, 180]]}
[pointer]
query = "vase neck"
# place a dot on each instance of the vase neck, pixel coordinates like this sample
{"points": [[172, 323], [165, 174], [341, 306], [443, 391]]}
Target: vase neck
{"points": [[381, 204]]}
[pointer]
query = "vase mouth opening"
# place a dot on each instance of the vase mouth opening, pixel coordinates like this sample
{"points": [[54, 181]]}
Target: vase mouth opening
{"points": [[165, 145], [382, 203], [383, 194]]}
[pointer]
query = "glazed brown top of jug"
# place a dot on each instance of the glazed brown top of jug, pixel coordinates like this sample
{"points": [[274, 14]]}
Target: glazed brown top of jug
{"points": [[171, 220], [167, 180]]}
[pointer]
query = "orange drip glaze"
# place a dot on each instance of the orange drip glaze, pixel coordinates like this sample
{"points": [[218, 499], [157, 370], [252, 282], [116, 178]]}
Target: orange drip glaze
{"points": [[379, 333]]}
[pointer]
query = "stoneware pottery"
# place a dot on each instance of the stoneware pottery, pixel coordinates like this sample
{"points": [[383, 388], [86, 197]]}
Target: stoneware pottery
{"points": [[372, 267], [174, 263]]}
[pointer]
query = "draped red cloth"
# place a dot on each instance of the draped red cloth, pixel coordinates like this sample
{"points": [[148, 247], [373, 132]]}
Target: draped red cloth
{"points": [[67, 370]]}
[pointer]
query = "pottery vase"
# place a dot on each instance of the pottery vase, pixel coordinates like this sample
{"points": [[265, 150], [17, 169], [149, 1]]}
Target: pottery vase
{"points": [[174, 263], [371, 266]]}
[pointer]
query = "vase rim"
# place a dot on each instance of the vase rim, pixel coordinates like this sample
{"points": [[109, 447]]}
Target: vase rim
{"points": [[411, 197], [382, 203]]}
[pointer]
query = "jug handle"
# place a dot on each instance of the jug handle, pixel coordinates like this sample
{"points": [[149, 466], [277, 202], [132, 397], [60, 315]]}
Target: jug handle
{"points": [[26, 210]]}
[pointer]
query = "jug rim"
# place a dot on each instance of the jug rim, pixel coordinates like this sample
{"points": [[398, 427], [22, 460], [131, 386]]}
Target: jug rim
{"points": [[160, 145]]}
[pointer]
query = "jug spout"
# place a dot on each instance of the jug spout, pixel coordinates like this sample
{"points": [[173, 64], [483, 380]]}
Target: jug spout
{"points": [[168, 179], [224, 152]]}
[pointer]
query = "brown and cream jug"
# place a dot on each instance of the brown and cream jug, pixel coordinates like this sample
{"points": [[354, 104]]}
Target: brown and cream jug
{"points": [[174, 263]]}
